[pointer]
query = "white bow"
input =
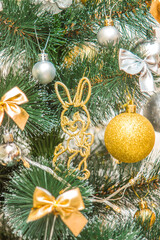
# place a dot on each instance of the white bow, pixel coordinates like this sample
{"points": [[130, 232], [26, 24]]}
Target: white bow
{"points": [[133, 65]]}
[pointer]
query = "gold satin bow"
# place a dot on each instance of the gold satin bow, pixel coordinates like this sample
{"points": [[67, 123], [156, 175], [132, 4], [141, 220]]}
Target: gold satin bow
{"points": [[67, 205], [9, 104]]}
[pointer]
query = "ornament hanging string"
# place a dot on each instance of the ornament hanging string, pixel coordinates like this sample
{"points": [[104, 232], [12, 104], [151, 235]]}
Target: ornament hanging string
{"points": [[5, 128], [110, 8], [129, 98], [8, 123], [137, 193], [42, 50]]}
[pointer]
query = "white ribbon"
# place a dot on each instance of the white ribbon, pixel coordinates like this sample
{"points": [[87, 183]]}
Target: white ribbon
{"points": [[133, 65]]}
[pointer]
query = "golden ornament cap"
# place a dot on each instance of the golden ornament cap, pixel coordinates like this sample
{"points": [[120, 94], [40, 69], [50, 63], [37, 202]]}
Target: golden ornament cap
{"points": [[131, 108], [145, 216], [108, 22], [143, 205], [43, 57]]}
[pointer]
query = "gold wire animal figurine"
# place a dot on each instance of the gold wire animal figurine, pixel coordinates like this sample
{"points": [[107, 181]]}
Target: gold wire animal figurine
{"points": [[78, 142]]}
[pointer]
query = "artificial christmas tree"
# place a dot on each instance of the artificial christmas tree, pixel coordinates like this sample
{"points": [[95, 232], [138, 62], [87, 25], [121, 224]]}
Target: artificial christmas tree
{"points": [[83, 193]]}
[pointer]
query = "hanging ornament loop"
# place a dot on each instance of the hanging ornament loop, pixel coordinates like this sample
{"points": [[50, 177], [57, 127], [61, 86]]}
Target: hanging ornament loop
{"points": [[42, 50], [137, 193], [110, 8]]}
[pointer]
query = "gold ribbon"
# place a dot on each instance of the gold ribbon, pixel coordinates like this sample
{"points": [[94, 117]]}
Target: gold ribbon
{"points": [[67, 205], [9, 104]]}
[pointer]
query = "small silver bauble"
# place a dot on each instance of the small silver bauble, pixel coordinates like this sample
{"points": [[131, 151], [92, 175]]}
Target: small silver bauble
{"points": [[108, 34], [149, 47], [44, 71], [152, 111], [9, 152], [8, 137]]}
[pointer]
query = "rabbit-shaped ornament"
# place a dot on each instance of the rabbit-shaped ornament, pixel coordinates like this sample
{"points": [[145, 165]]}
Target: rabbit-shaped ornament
{"points": [[79, 142]]}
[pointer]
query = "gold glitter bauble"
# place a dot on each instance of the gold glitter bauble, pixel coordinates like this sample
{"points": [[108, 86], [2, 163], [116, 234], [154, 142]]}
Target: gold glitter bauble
{"points": [[145, 216], [129, 137]]}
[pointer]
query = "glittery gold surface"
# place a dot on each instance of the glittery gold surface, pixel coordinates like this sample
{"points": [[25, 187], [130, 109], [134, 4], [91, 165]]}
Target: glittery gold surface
{"points": [[129, 137]]}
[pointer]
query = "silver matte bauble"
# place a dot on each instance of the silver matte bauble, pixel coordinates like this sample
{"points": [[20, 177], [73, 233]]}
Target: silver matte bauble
{"points": [[44, 71], [149, 47], [108, 34], [152, 111], [9, 154]]}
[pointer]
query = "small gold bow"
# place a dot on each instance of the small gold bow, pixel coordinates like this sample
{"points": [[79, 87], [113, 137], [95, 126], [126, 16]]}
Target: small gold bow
{"points": [[9, 104], [67, 205]]}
